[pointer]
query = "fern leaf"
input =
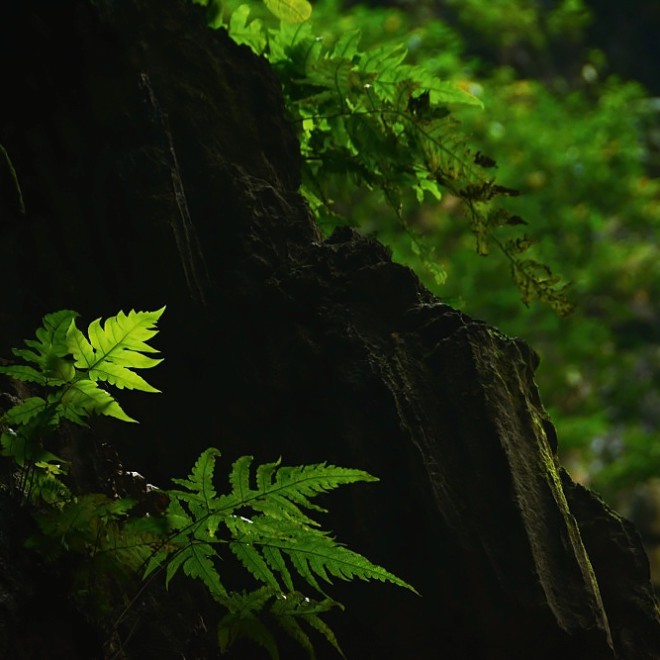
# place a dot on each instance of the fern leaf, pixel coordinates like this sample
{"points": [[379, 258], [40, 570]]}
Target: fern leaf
{"points": [[125, 332], [120, 377], [265, 473], [443, 92], [23, 412], [275, 560], [177, 517], [231, 629], [294, 605], [116, 348], [278, 507], [347, 45], [201, 497], [299, 483], [280, 492], [242, 622], [200, 478], [291, 626], [239, 477], [271, 525], [77, 521], [300, 563], [25, 373], [290, 11], [156, 560], [51, 339], [198, 563], [322, 556], [272, 545], [16, 446], [316, 622], [249, 603], [85, 397], [245, 31], [175, 562], [250, 557], [198, 508]]}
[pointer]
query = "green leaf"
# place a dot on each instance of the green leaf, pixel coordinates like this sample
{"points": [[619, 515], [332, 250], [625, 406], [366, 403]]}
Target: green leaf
{"points": [[294, 630], [290, 11], [242, 621], [275, 560], [177, 517], [116, 347], [232, 628], [25, 373], [51, 339], [23, 412], [15, 446], [250, 557], [316, 622], [442, 92], [245, 31], [86, 398], [199, 564], [239, 477], [175, 562], [271, 545], [202, 495]]}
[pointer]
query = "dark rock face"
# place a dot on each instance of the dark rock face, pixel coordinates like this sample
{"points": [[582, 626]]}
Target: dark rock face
{"points": [[157, 167]]}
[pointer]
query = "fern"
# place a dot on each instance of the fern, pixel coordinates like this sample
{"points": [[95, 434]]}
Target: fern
{"points": [[290, 11], [368, 121], [73, 365], [263, 520], [69, 368], [243, 621], [277, 543], [247, 609]]}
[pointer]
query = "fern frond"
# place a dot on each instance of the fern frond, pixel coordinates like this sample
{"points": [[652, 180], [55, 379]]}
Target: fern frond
{"points": [[25, 373], [298, 483], [275, 544], [245, 30], [316, 622], [290, 11], [281, 527], [23, 412], [253, 561], [288, 609], [275, 560], [200, 495], [177, 517], [84, 398], [200, 479], [16, 446], [47, 352], [239, 478], [79, 522], [174, 564], [281, 491], [323, 557], [291, 626], [51, 339], [110, 354], [242, 621], [116, 348], [196, 561]]}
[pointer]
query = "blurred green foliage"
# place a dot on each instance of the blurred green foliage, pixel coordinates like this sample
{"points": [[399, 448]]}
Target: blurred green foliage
{"points": [[579, 143], [380, 134], [576, 142]]}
